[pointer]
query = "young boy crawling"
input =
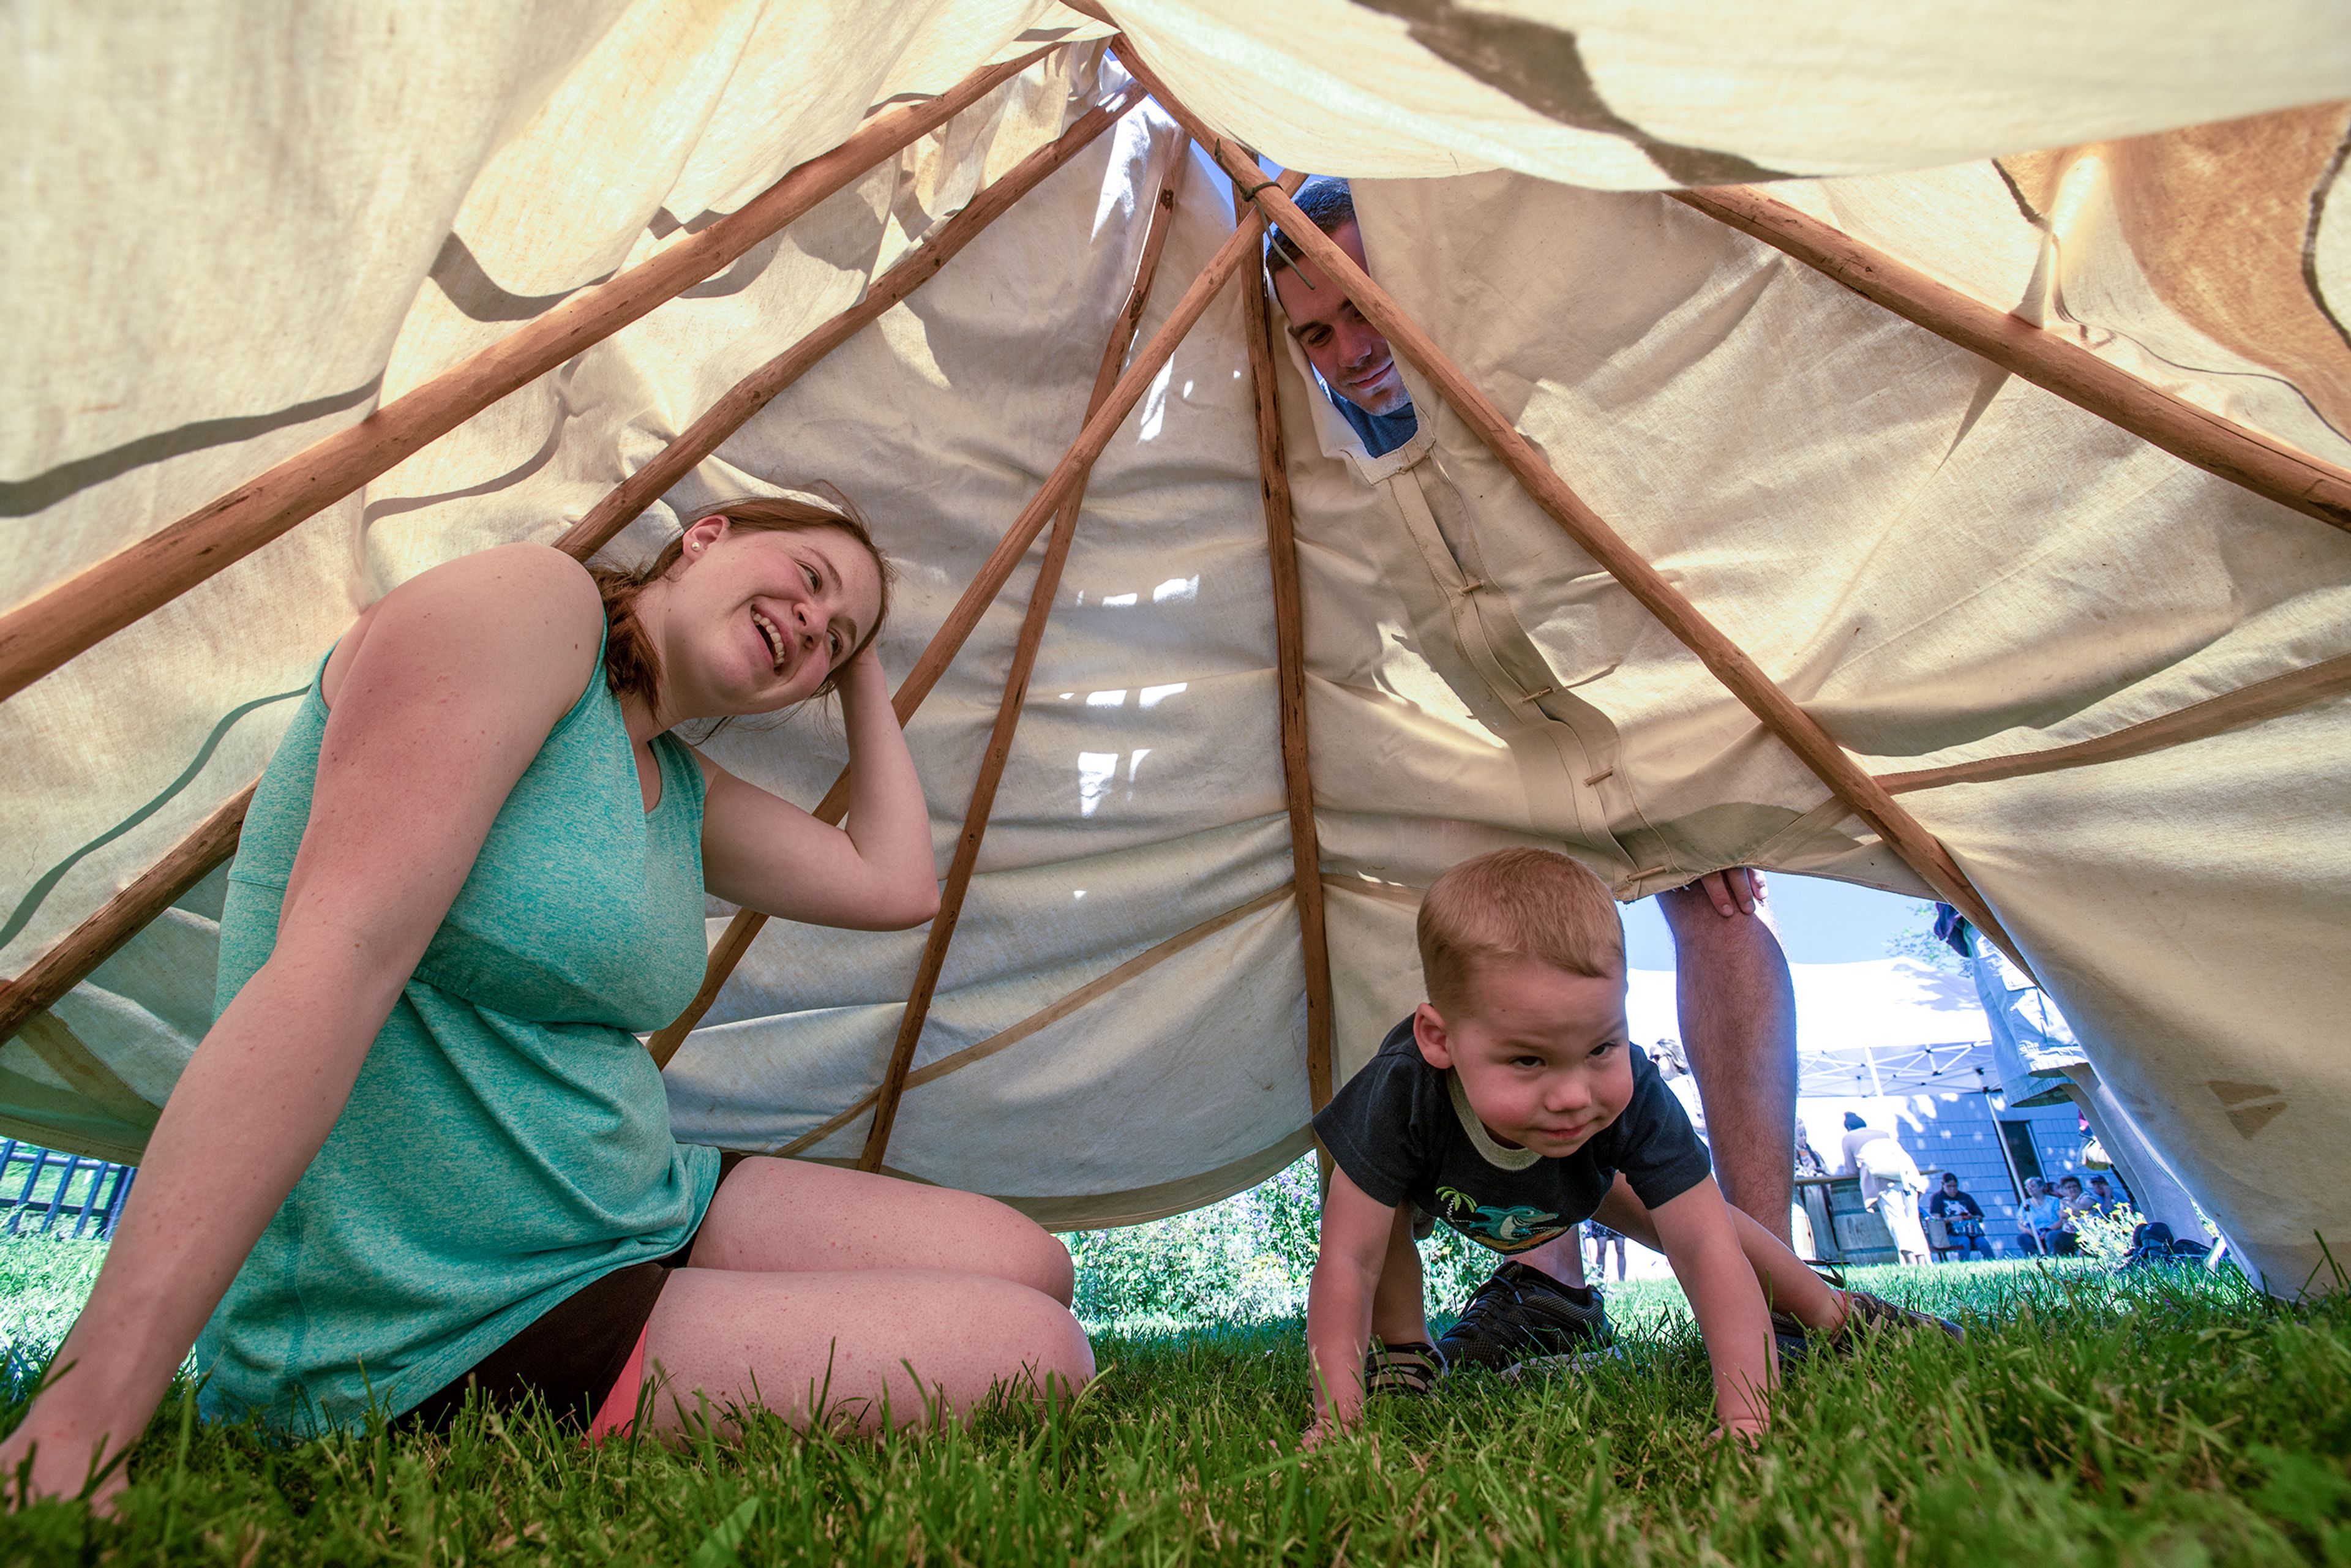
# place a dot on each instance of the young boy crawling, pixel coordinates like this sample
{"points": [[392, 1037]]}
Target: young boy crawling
{"points": [[1511, 1106]]}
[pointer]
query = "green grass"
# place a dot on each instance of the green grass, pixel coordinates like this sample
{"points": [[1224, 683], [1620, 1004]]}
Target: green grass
{"points": [[2087, 1420], [43, 1283]]}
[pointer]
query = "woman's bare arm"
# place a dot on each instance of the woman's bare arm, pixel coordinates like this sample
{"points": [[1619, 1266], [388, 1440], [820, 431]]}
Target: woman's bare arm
{"points": [[458, 679], [874, 872]]}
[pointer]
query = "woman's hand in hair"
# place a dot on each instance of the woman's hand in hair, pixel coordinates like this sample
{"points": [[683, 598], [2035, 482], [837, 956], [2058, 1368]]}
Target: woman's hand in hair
{"points": [[874, 872], [860, 680]]}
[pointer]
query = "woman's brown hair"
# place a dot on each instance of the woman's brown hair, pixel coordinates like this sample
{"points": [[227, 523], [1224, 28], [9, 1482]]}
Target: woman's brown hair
{"points": [[632, 667]]}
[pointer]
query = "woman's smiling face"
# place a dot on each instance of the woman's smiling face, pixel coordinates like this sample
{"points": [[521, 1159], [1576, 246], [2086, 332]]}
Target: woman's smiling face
{"points": [[753, 619]]}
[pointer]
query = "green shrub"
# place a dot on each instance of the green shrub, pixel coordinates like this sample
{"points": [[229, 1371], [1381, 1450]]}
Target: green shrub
{"points": [[1246, 1259]]}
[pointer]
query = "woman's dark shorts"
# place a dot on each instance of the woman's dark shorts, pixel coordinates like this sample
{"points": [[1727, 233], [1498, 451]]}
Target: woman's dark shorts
{"points": [[572, 1354]]}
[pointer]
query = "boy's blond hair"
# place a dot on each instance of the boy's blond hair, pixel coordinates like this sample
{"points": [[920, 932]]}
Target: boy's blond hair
{"points": [[1516, 904]]}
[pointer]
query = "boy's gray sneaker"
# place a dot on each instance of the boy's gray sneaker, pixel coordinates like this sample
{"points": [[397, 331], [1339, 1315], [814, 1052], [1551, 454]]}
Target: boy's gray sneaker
{"points": [[1521, 1313], [1411, 1368]]}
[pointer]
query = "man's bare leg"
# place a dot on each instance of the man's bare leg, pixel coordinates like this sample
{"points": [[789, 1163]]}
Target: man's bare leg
{"points": [[1562, 1257], [1738, 1011]]}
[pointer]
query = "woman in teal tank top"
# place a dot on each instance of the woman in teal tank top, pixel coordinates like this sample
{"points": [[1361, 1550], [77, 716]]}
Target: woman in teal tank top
{"points": [[421, 1150]]}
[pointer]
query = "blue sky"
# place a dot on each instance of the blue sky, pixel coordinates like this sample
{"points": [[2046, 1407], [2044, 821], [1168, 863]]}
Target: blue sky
{"points": [[1821, 922]]}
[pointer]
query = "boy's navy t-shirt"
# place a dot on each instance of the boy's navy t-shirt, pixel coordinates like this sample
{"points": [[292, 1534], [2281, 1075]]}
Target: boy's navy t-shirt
{"points": [[1402, 1129]]}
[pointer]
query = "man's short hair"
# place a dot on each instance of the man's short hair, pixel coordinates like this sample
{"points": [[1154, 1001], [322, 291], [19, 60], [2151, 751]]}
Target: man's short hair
{"points": [[1516, 904], [1328, 205]]}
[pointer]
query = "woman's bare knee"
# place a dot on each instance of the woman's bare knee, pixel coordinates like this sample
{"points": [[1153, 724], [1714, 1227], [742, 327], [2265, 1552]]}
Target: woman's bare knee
{"points": [[1026, 1253], [776, 1215], [1052, 1273], [1056, 1346], [844, 1347]]}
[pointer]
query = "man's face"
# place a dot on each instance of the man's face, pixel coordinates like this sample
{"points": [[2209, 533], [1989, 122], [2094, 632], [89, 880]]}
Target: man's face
{"points": [[2098, 1185], [1950, 1182], [1347, 350], [1541, 1053], [2069, 1187]]}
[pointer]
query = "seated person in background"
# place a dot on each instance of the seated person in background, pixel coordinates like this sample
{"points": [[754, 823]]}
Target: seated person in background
{"points": [[2104, 1198], [2036, 1218], [1739, 1004], [1962, 1215], [1511, 1106], [2152, 1242], [2072, 1203]]}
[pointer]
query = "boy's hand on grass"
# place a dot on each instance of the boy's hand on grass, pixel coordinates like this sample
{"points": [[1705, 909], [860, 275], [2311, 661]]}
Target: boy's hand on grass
{"points": [[1356, 1232], [1747, 1433], [1702, 1243], [1327, 1428]]}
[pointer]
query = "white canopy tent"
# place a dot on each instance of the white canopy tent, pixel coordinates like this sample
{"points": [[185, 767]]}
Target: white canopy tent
{"points": [[1879, 1027], [303, 304]]}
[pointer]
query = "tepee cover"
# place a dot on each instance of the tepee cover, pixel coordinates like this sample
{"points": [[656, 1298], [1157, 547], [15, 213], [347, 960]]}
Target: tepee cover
{"points": [[238, 233]]}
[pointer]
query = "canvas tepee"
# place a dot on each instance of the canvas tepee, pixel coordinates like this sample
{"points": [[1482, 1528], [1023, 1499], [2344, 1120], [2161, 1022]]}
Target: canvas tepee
{"points": [[1904, 445]]}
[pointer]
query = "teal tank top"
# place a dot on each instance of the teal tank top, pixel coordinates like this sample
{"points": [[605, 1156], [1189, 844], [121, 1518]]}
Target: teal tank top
{"points": [[507, 1142]]}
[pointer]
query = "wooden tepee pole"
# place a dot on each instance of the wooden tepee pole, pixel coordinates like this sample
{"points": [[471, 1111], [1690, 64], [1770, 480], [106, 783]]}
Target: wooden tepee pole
{"points": [[2265, 699], [1289, 671], [1238, 251], [2215, 444], [755, 392], [1044, 1018], [75, 615], [1779, 714], [116, 922], [119, 918], [1015, 685]]}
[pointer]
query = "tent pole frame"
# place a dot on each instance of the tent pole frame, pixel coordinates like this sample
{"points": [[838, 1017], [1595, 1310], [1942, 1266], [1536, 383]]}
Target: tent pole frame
{"points": [[92, 605], [1779, 714], [921, 263], [216, 840], [1241, 248], [2261, 701], [1041, 594], [1290, 662], [1053, 1012], [2219, 446], [119, 918]]}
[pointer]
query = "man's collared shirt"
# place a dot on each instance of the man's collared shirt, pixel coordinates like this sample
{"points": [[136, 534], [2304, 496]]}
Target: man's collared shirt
{"points": [[1382, 433]]}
